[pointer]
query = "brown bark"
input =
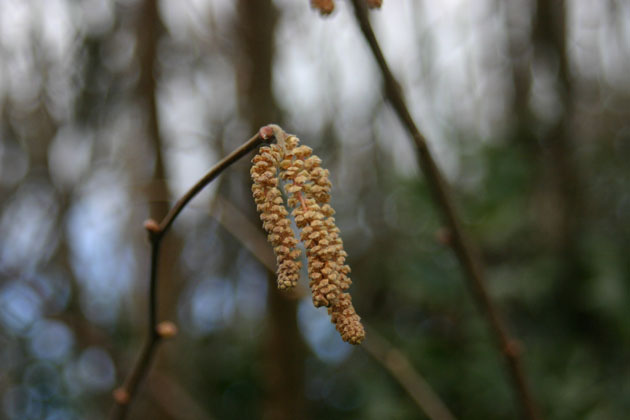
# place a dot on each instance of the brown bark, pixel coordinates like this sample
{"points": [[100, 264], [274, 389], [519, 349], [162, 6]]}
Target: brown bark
{"points": [[561, 171], [284, 358], [520, 52]]}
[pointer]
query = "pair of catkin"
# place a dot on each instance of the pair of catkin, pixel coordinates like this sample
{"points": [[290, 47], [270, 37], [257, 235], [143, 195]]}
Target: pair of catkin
{"points": [[295, 169], [326, 7]]}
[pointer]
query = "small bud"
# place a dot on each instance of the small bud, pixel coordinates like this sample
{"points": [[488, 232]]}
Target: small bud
{"points": [[374, 4], [166, 329], [121, 396], [152, 226], [266, 132], [325, 7]]}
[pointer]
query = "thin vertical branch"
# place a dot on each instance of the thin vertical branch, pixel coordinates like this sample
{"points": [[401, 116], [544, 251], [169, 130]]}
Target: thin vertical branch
{"points": [[468, 258], [124, 395]]}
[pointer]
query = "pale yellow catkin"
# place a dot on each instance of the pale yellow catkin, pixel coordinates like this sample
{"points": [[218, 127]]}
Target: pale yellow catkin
{"points": [[270, 204], [307, 188]]}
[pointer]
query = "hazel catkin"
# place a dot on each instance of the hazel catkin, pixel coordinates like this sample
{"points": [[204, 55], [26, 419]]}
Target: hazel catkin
{"points": [[273, 214], [293, 168]]}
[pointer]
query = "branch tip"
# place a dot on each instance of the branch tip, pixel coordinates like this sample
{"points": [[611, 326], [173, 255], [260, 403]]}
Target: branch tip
{"points": [[166, 329], [325, 7], [273, 130], [266, 132]]}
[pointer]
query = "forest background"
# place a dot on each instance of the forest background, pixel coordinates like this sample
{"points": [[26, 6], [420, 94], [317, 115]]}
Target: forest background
{"points": [[110, 110]]}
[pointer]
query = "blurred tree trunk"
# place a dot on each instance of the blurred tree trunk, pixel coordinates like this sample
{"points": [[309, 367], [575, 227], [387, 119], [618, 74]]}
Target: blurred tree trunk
{"points": [[284, 359], [552, 153], [558, 150], [561, 173], [518, 20], [149, 30], [283, 352]]}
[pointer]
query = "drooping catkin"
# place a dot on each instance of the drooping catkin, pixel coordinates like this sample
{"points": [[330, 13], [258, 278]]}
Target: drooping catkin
{"points": [[270, 204], [307, 188], [346, 320]]}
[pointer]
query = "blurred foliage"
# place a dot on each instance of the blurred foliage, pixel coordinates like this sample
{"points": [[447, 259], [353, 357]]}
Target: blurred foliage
{"points": [[525, 103]]}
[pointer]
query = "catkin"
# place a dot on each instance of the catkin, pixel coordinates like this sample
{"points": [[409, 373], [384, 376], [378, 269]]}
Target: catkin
{"points": [[346, 320], [273, 213], [307, 189]]}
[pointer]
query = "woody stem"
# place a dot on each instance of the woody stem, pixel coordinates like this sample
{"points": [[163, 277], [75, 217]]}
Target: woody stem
{"points": [[124, 395], [466, 253]]}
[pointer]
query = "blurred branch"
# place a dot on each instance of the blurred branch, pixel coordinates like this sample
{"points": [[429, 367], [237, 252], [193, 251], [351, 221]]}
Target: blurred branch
{"points": [[467, 256], [409, 378], [124, 395]]}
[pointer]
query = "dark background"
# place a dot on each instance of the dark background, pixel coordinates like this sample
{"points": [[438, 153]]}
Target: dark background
{"points": [[110, 110]]}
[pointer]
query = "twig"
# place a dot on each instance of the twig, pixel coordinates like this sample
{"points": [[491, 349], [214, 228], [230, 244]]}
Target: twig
{"points": [[468, 258], [409, 378], [265, 133], [123, 396]]}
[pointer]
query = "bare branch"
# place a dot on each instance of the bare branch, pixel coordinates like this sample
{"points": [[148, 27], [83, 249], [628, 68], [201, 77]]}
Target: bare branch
{"points": [[471, 263], [265, 133], [124, 395]]}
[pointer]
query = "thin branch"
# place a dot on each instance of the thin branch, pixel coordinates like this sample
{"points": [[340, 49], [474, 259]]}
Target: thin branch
{"points": [[264, 134], [467, 256], [407, 376], [124, 395]]}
